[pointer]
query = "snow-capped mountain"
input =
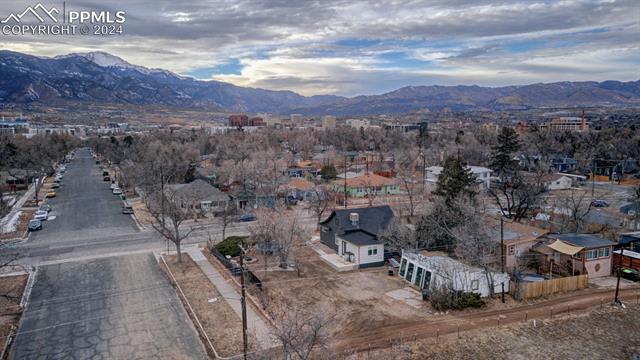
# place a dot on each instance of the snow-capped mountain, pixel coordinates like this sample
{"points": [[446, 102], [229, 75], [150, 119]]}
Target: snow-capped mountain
{"points": [[99, 77]]}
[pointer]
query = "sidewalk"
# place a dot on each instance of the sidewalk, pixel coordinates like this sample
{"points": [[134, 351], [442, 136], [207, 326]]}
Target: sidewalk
{"points": [[255, 323]]}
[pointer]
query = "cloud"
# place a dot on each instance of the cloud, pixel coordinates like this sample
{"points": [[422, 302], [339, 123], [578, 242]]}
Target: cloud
{"points": [[363, 47]]}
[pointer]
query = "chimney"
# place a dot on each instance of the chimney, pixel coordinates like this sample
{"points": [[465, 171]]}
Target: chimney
{"points": [[354, 218], [583, 123]]}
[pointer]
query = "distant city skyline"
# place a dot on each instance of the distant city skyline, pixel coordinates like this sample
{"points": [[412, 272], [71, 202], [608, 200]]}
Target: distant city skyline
{"points": [[365, 47]]}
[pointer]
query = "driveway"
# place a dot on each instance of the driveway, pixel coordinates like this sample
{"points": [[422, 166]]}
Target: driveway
{"points": [[110, 308]]}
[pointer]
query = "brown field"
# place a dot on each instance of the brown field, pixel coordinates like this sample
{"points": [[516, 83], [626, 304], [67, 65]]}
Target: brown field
{"points": [[610, 333], [221, 323], [11, 288], [357, 298]]}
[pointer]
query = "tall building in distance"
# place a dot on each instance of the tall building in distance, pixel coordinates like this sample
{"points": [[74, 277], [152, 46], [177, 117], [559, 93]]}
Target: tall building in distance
{"points": [[296, 118], [329, 122], [244, 120], [567, 124]]}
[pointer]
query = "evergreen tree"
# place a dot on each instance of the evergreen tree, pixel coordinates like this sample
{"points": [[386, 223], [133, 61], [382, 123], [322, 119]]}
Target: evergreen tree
{"points": [[502, 154], [454, 180], [328, 172]]}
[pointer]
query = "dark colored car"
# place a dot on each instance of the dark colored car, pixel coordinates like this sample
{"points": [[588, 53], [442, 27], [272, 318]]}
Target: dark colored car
{"points": [[599, 203], [106, 178], [247, 218], [292, 200], [105, 173], [35, 225], [98, 162], [630, 274]]}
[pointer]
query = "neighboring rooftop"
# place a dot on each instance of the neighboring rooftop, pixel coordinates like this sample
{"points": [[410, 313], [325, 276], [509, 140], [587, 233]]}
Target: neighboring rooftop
{"points": [[198, 190], [586, 241]]}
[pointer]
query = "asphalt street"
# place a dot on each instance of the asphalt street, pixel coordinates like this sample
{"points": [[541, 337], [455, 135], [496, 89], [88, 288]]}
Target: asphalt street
{"points": [[110, 308], [117, 307]]}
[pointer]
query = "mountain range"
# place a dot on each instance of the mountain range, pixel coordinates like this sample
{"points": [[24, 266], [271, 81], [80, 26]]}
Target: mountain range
{"points": [[99, 77]]}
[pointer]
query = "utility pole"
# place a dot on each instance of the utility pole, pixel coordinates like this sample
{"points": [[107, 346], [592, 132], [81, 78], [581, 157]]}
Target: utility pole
{"points": [[593, 177], [243, 302], [502, 252], [345, 181], [616, 300]]}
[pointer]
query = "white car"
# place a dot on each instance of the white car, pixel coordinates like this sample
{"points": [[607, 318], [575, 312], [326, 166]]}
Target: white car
{"points": [[114, 186], [116, 191], [41, 215]]}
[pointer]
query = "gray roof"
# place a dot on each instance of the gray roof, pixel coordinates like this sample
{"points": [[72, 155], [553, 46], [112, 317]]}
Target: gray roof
{"points": [[198, 190], [360, 238], [584, 240], [371, 219]]}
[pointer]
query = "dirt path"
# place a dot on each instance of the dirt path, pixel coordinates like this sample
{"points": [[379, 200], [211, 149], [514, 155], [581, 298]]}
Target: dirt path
{"points": [[381, 337]]}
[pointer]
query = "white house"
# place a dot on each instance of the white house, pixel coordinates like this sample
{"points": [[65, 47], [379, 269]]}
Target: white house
{"points": [[482, 174], [559, 182], [353, 234], [430, 272]]}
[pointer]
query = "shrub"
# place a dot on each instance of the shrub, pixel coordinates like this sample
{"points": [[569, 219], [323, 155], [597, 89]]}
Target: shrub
{"points": [[230, 246], [444, 299]]}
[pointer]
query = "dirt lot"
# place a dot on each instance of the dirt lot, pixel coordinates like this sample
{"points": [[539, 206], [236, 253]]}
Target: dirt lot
{"points": [[221, 323], [11, 288], [610, 333], [358, 298]]}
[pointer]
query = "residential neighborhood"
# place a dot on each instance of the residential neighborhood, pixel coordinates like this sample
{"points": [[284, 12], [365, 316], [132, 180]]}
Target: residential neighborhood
{"points": [[315, 180]]}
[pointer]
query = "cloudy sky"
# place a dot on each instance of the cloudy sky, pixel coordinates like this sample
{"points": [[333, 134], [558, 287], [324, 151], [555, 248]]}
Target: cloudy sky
{"points": [[364, 47]]}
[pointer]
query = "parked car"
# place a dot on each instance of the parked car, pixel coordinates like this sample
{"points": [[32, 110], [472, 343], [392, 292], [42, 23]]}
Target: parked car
{"points": [[35, 225], [105, 173], [98, 162], [247, 218], [116, 191], [51, 194], [599, 203], [106, 178], [127, 209], [630, 274], [113, 186], [55, 185], [292, 200], [41, 215], [45, 207]]}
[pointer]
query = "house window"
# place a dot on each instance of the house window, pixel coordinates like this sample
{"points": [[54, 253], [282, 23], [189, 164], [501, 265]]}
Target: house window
{"points": [[512, 250], [359, 189], [592, 254], [409, 274], [373, 251], [603, 252], [475, 284]]}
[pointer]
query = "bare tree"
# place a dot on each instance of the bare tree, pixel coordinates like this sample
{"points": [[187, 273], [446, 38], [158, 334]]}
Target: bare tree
{"points": [[321, 200], [302, 332], [168, 217], [574, 209], [405, 163], [397, 236]]}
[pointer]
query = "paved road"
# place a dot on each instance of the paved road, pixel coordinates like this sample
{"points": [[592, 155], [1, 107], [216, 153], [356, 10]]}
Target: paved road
{"points": [[99, 308], [84, 207], [112, 308]]}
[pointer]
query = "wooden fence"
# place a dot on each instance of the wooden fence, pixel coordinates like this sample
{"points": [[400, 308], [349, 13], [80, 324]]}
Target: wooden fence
{"points": [[530, 290]]}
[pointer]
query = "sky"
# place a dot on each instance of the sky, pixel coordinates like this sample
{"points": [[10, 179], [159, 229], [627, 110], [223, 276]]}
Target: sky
{"points": [[363, 47]]}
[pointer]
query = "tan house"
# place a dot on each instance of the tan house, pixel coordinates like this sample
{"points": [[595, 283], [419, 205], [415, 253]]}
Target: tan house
{"points": [[518, 240], [577, 254]]}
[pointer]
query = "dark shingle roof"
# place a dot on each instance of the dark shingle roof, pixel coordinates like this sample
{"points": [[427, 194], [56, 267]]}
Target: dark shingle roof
{"points": [[584, 240], [360, 238], [371, 219]]}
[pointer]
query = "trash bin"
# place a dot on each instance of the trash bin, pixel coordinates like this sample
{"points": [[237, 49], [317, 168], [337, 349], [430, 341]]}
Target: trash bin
{"points": [[390, 270]]}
